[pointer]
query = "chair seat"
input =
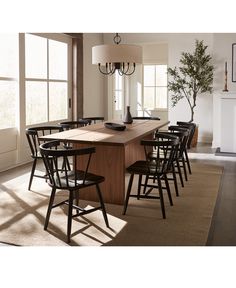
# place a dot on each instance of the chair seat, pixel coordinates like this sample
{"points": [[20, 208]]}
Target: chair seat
{"points": [[68, 182], [145, 168]]}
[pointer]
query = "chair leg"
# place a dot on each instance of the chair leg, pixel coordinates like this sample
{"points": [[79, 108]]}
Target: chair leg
{"points": [[145, 184], [76, 200], [51, 201], [168, 190], [175, 180], [161, 198], [139, 186], [68, 164], [187, 160], [185, 170], [63, 166], [128, 193], [69, 219], [32, 173], [180, 173], [102, 205]]}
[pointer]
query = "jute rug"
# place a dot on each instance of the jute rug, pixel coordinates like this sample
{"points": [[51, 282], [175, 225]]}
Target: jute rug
{"points": [[22, 215]]}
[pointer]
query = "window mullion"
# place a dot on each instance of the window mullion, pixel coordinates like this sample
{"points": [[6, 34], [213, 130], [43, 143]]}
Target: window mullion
{"points": [[48, 78], [155, 95], [41, 80], [8, 78]]}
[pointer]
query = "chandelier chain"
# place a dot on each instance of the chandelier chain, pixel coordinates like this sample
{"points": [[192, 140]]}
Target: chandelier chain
{"points": [[117, 39]]}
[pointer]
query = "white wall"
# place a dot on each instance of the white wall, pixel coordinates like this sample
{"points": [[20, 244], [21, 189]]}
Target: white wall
{"points": [[222, 52], [94, 81]]}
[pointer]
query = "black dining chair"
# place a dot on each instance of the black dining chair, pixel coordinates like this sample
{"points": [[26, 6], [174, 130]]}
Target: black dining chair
{"points": [[191, 127], [184, 132], [32, 135], [73, 180], [93, 119], [67, 125], [178, 161], [155, 168]]}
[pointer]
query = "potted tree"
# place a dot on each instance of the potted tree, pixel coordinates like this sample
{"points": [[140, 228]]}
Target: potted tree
{"points": [[193, 77]]}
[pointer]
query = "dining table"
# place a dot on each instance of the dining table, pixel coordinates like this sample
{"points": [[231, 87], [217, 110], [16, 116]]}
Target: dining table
{"points": [[115, 151]]}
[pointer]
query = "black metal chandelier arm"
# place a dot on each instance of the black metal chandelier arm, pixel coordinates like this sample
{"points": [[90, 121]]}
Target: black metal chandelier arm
{"points": [[109, 69], [124, 71], [104, 73], [127, 68]]}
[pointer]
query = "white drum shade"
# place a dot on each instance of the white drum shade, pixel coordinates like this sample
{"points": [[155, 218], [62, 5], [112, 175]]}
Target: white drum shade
{"points": [[116, 54]]}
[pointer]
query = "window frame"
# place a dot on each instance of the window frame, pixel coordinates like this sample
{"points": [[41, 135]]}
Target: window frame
{"points": [[14, 150], [56, 37], [156, 86]]}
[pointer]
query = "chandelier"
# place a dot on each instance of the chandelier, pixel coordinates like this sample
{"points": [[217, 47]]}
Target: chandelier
{"points": [[120, 57]]}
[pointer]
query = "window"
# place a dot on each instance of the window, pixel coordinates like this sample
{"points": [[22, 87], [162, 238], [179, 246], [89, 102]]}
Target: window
{"points": [[46, 79], [35, 84], [8, 79], [154, 87], [42, 84]]}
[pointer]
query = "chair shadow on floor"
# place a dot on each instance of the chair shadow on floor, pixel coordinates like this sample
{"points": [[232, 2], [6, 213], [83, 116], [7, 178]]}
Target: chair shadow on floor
{"points": [[53, 229], [82, 220]]}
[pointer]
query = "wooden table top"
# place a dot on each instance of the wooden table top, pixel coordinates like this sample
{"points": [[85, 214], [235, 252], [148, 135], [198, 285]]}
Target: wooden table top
{"points": [[99, 134]]}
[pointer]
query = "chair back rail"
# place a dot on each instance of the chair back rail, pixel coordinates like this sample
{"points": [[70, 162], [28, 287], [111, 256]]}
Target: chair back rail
{"points": [[191, 126], [146, 118], [53, 153], [165, 147], [33, 134], [67, 125], [94, 119]]}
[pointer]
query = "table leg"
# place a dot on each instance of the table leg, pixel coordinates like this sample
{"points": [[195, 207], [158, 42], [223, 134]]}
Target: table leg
{"points": [[111, 161]]}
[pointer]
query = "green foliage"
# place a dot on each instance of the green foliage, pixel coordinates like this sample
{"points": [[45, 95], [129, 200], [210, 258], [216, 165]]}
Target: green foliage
{"points": [[194, 77]]}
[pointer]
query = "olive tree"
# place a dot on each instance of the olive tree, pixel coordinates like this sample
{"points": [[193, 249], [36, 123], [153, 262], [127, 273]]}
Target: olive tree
{"points": [[193, 77]]}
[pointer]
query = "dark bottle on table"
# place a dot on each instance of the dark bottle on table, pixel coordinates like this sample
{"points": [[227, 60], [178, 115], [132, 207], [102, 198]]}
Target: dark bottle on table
{"points": [[128, 118]]}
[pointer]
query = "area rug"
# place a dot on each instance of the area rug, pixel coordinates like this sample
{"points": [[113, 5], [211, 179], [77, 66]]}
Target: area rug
{"points": [[22, 215]]}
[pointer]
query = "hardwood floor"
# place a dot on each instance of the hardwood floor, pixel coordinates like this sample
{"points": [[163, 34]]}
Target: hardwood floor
{"points": [[223, 228]]}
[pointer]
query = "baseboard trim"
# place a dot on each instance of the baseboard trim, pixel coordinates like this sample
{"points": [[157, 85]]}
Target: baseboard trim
{"points": [[219, 153]]}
